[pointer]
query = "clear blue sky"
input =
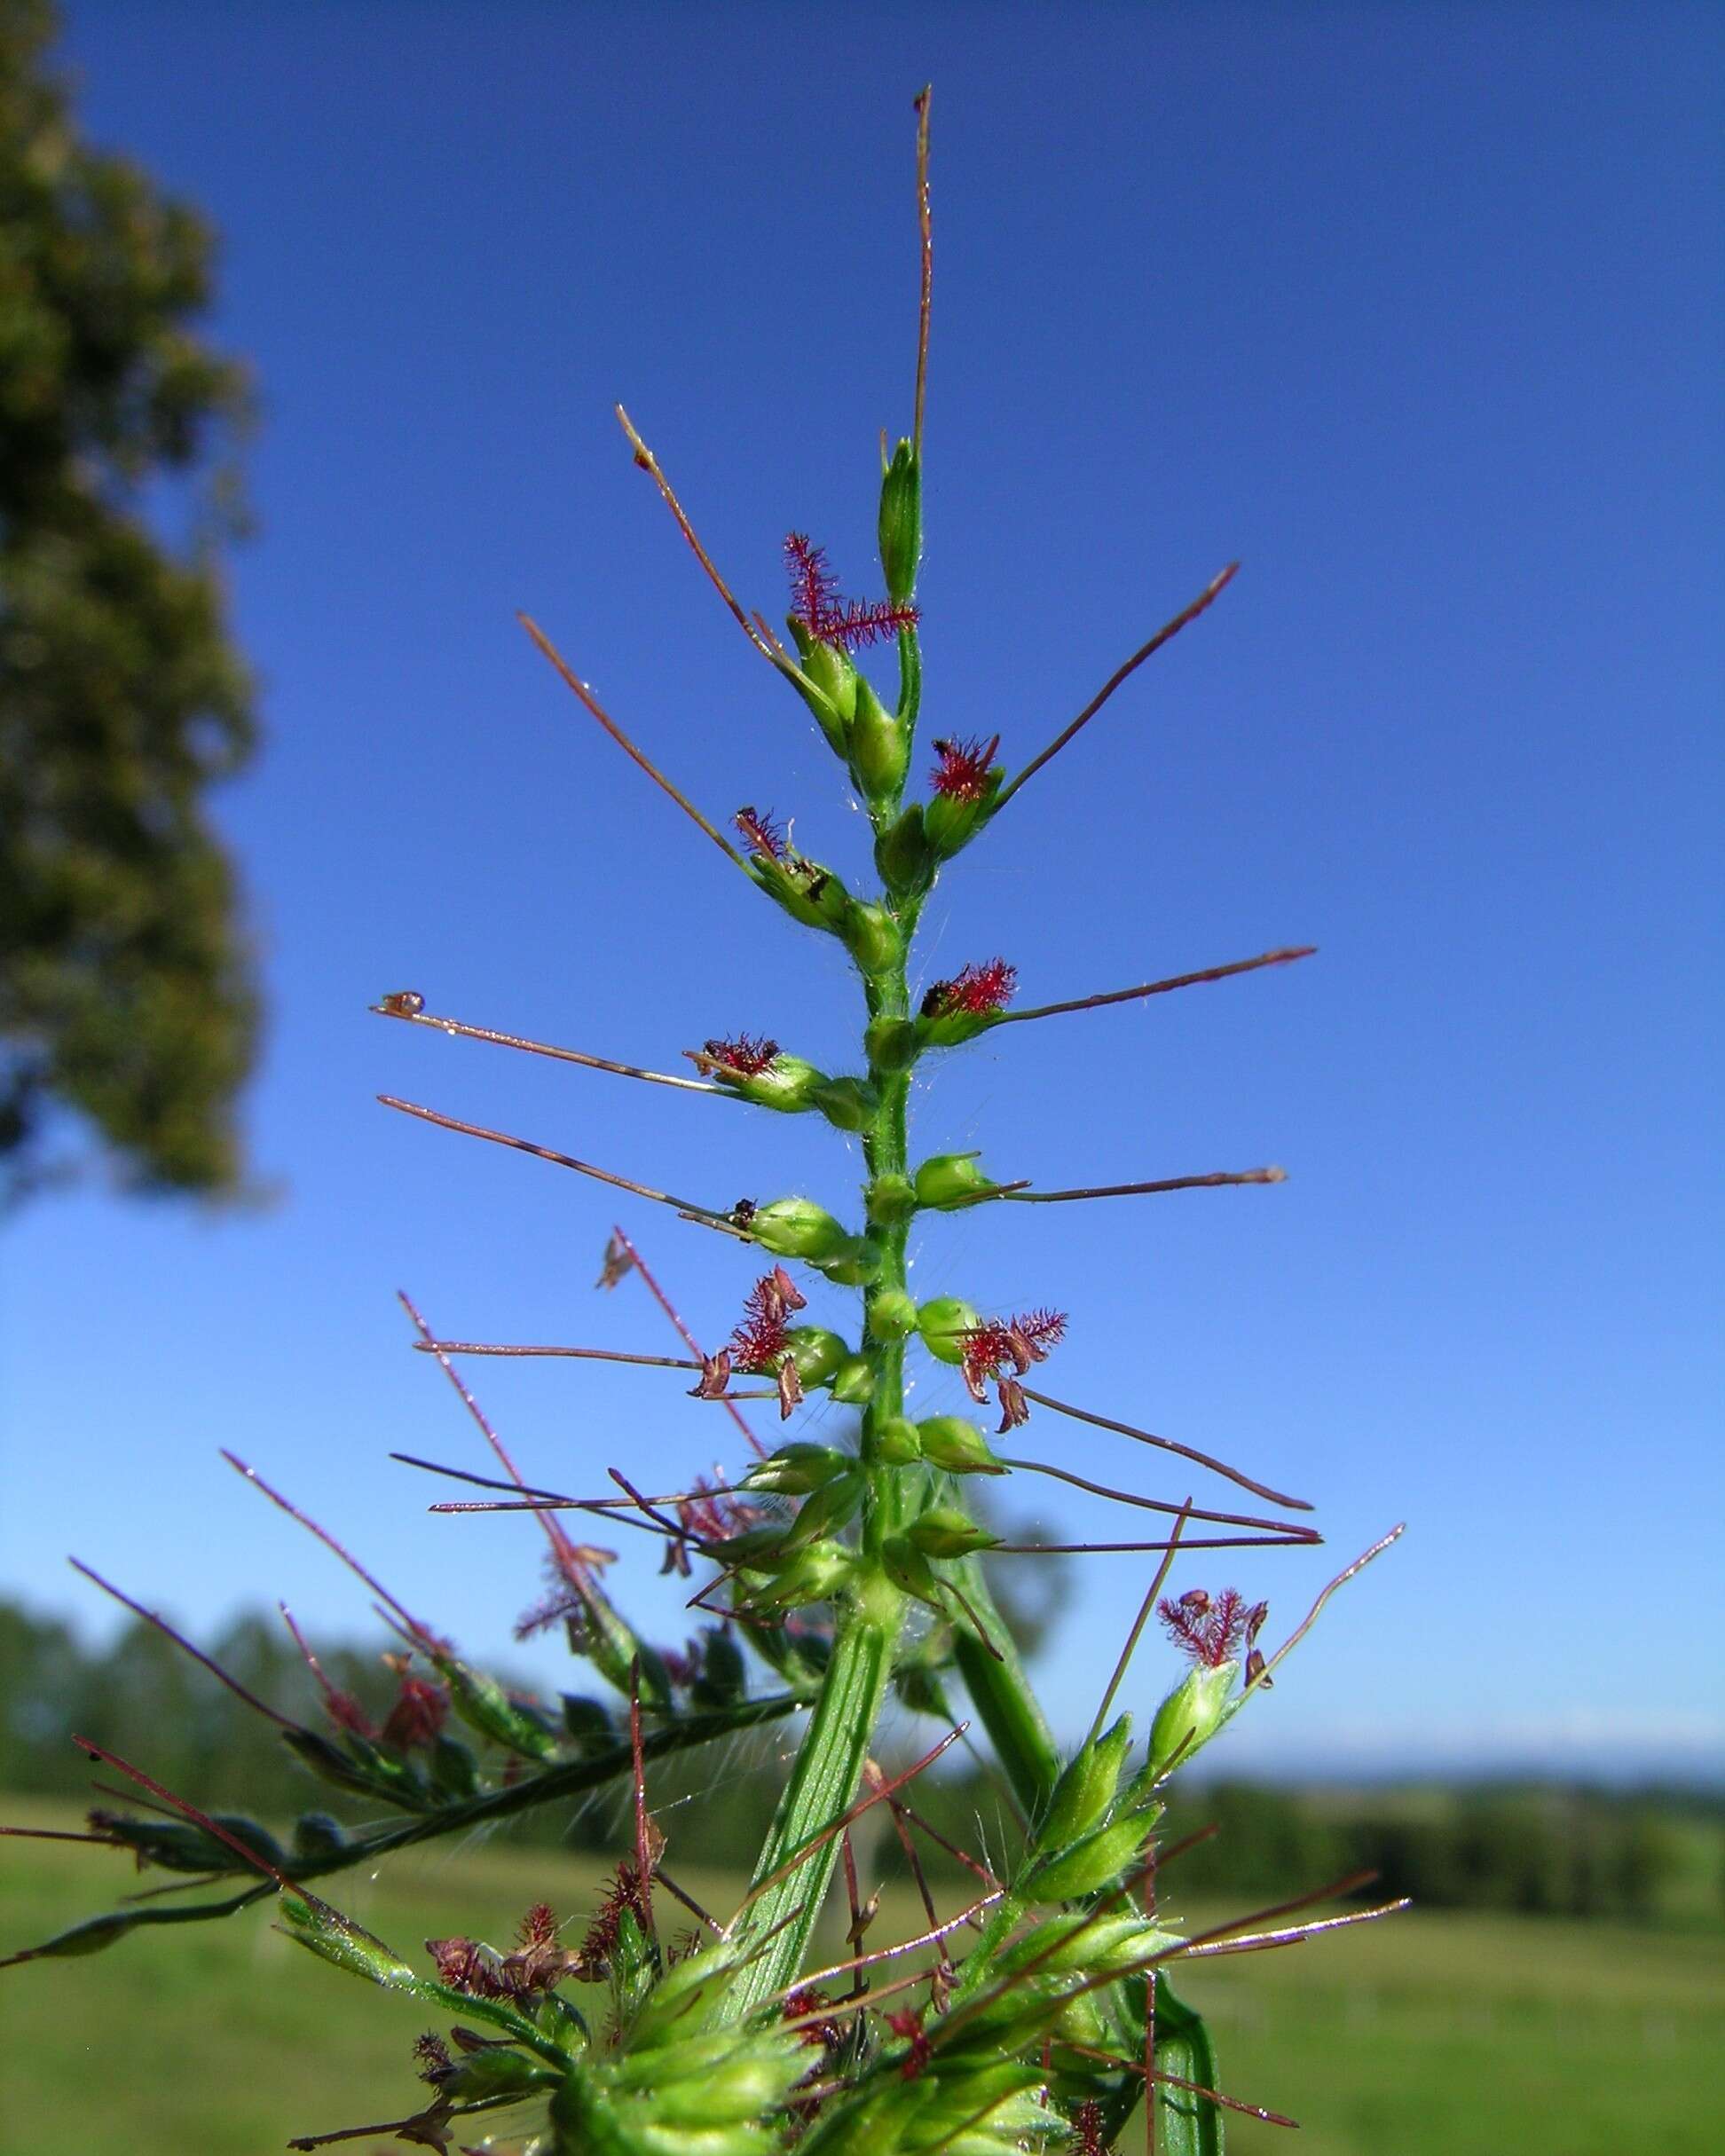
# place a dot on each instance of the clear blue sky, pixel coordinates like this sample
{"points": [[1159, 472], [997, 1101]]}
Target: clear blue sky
{"points": [[1416, 311]]}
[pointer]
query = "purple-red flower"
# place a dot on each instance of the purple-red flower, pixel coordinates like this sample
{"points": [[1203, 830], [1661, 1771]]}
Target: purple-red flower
{"points": [[628, 1895], [417, 1715], [978, 989], [821, 2034], [908, 2026], [464, 1964], [435, 2064], [1008, 1347], [962, 774], [746, 1056], [1212, 1628], [761, 1336]]}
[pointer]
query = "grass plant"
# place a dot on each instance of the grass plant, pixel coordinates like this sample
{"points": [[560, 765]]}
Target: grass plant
{"points": [[831, 1576]]}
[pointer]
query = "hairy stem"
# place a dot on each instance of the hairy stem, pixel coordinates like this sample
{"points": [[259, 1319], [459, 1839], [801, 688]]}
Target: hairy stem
{"points": [[828, 1771]]}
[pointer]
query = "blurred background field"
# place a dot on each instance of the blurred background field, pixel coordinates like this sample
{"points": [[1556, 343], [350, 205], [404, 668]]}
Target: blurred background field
{"points": [[1460, 2032], [1557, 1990]]}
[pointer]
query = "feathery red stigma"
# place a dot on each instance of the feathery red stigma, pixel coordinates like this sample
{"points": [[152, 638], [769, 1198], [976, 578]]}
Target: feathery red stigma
{"points": [[627, 1896], [1087, 2137], [1211, 1628], [962, 771], [748, 1055], [417, 1715], [818, 2036], [978, 989], [464, 1964], [435, 2064], [714, 1515], [539, 1926], [342, 1707], [814, 588], [759, 1338], [760, 830], [1007, 1347], [829, 618], [908, 2026]]}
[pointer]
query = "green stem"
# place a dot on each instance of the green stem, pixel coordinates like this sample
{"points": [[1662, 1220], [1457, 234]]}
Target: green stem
{"points": [[823, 1784], [828, 1770]]}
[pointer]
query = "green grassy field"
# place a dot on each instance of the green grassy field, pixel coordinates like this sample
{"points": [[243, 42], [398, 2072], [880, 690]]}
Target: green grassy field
{"points": [[1471, 2035]]}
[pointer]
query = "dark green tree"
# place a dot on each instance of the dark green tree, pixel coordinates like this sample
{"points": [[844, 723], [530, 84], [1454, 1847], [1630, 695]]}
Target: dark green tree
{"points": [[126, 986]]}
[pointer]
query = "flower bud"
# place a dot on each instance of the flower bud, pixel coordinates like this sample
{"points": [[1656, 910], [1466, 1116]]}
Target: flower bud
{"points": [[621, 1657], [317, 1836], [908, 1570], [945, 1531], [816, 1352], [1095, 1861], [258, 1840], [902, 855], [901, 523], [892, 1315], [953, 1028], [176, 1845], [335, 1937], [687, 1994], [853, 1382], [889, 1201], [951, 1443], [830, 667], [816, 1574], [807, 892], [740, 2088], [355, 1766], [454, 1770], [1103, 1945], [849, 1104], [796, 1470], [950, 821], [943, 1325], [656, 2054], [950, 1178], [824, 1511], [826, 716], [724, 1677], [485, 1706], [798, 1228], [1086, 1788], [893, 1044], [855, 1264], [871, 936], [757, 1549], [589, 1722], [879, 748], [1192, 1714], [786, 1083], [896, 1443], [90, 1937], [497, 2072]]}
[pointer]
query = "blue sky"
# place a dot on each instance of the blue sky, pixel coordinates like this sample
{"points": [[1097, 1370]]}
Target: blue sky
{"points": [[1414, 309]]}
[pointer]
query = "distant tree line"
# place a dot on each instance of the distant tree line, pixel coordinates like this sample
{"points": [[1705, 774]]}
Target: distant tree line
{"points": [[1527, 1850], [1531, 1850]]}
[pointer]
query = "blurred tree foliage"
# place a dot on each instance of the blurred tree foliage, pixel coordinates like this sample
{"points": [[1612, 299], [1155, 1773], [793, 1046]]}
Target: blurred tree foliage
{"points": [[126, 991]]}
